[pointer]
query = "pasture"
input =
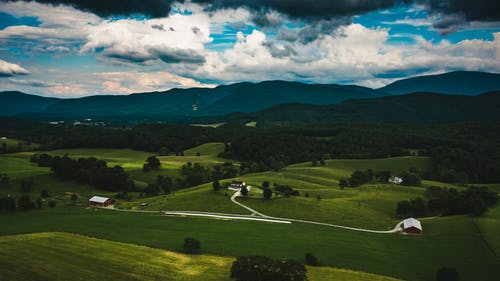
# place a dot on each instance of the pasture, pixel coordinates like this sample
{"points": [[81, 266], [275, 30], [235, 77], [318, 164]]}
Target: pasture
{"points": [[405, 257], [349, 206], [41, 256]]}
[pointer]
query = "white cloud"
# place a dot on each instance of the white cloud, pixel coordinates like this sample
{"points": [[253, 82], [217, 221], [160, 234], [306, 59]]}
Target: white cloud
{"points": [[10, 69], [132, 82], [58, 24]]}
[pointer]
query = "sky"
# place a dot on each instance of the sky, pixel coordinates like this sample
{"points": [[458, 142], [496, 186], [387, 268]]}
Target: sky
{"points": [[73, 48]]}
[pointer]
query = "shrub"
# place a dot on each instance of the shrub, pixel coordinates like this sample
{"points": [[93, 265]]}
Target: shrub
{"points": [[267, 193], [262, 268], [311, 259], [191, 246], [44, 193]]}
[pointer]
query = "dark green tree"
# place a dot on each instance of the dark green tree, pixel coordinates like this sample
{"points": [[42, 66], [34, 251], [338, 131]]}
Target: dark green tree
{"points": [[24, 203], [192, 245], [244, 191], [267, 193], [216, 186], [311, 259]]}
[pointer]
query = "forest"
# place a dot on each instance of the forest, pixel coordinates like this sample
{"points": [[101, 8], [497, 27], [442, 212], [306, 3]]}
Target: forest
{"points": [[461, 153]]}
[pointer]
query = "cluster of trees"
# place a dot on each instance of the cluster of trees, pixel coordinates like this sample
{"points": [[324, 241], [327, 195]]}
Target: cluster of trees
{"points": [[152, 164], [165, 184], [443, 201], [196, 174], [410, 178], [24, 203], [251, 268], [91, 171], [285, 190]]}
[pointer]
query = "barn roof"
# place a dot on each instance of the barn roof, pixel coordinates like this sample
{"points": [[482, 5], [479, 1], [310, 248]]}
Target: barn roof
{"points": [[411, 222], [98, 199]]}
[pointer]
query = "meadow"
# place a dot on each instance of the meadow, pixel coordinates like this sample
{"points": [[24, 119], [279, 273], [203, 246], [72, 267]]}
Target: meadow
{"points": [[371, 206], [405, 257], [42, 256]]}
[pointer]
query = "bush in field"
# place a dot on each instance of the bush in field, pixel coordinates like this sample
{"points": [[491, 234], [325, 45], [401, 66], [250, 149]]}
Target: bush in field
{"points": [[311, 260], [192, 245], [252, 268]]}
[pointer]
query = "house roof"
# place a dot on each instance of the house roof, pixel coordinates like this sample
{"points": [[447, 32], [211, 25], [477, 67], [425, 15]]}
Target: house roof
{"points": [[411, 222], [99, 199]]}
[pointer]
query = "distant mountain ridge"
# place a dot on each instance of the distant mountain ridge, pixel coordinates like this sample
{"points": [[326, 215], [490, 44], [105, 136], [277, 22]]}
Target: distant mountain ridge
{"points": [[416, 108], [240, 97], [469, 83], [182, 105]]}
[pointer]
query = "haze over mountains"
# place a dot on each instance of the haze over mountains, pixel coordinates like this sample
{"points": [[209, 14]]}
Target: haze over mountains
{"points": [[291, 102]]}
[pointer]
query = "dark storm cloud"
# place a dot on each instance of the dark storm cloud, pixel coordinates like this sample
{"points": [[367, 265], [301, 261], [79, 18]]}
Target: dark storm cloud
{"points": [[472, 10], [307, 8], [449, 24], [104, 8]]}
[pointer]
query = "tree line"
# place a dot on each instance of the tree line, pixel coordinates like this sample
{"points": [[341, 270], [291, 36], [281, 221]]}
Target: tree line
{"points": [[87, 170], [449, 201], [461, 153]]}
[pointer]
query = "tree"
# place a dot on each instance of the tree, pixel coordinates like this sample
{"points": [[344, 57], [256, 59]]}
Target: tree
{"points": [[322, 162], [410, 179], [262, 268], [152, 190], [25, 204], [44, 193], [216, 185], [343, 183], [311, 260], [39, 203], [447, 274], [267, 193], [244, 191], [152, 163], [191, 245]]}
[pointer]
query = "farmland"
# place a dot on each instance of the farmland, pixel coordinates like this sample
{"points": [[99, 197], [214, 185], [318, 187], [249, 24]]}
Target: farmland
{"points": [[406, 257], [39, 256]]}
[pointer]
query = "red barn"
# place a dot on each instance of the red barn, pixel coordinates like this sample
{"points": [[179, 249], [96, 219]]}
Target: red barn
{"points": [[412, 226], [101, 201]]}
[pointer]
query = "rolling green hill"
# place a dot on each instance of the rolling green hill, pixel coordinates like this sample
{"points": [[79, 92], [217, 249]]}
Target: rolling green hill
{"points": [[349, 206], [458, 82], [42, 256], [450, 241]]}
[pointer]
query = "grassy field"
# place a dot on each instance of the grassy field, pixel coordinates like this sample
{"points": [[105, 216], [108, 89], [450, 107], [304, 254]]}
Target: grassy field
{"points": [[42, 256], [489, 225], [451, 241], [17, 145], [350, 206], [16, 166], [133, 160]]}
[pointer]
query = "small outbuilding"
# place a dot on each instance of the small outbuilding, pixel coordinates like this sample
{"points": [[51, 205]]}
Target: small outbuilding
{"points": [[396, 180], [236, 185], [412, 226], [101, 201]]}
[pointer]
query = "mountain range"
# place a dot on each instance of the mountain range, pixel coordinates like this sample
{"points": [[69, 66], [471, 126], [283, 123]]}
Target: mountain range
{"points": [[264, 100]]}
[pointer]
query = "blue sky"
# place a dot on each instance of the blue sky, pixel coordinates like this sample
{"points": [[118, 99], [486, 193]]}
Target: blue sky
{"points": [[65, 51]]}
